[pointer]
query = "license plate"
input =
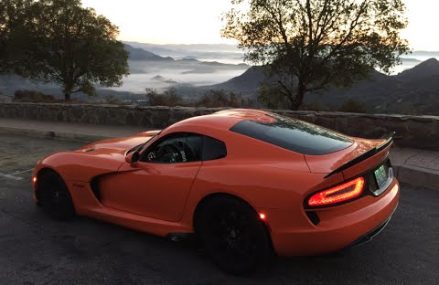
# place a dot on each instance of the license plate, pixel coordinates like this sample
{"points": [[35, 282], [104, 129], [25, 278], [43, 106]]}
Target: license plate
{"points": [[381, 176]]}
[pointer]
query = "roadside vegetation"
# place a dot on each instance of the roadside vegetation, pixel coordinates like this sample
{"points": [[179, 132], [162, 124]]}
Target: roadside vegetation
{"points": [[211, 99], [171, 98]]}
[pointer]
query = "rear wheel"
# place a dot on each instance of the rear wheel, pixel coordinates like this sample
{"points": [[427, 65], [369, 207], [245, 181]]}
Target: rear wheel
{"points": [[233, 235], [54, 197]]}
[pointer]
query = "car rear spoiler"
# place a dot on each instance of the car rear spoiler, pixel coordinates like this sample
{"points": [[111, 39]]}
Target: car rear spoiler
{"points": [[363, 156]]}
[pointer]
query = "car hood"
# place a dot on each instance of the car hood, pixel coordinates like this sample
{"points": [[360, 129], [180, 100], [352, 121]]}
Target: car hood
{"points": [[119, 145], [330, 162]]}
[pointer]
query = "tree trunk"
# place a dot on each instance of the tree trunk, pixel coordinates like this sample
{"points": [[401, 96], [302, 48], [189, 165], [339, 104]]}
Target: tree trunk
{"points": [[301, 90], [67, 91], [67, 96]]}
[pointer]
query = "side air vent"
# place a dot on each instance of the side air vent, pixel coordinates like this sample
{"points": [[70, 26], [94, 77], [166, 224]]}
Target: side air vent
{"points": [[313, 217], [95, 188]]}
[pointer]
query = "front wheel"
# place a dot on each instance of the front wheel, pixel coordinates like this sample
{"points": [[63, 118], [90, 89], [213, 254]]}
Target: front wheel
{"points": [[233, 235], [54, 197]]}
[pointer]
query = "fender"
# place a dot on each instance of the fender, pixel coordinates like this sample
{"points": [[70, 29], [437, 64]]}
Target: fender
{"points": [[83, 166]]}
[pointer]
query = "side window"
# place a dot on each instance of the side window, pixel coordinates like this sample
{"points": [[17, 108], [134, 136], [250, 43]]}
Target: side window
{"points": [[175, 148], [213, 149]]}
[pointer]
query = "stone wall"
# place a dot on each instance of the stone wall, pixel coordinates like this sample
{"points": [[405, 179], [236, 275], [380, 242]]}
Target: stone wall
{"points": [[411, 131]]}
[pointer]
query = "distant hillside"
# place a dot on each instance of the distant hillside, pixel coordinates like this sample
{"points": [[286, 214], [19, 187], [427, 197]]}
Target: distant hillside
{"points": [[413, 91], [248, 83], [425, 70], [141, 54], [204, 52], [144, 55], [169, 48]]}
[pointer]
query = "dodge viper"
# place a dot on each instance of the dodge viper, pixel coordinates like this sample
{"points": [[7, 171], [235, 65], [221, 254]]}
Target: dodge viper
{"points": [[248, 184]]}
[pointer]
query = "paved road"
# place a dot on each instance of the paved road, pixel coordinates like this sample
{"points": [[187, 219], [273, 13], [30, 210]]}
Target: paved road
{"points": [[37, 250]]}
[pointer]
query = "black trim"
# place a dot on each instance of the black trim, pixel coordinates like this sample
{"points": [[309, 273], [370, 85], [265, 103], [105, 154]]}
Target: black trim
{"points": [[212, 153], [362, 157], [202, 155], [370, 235], [177, 237], [313, 217], [94, 185]]}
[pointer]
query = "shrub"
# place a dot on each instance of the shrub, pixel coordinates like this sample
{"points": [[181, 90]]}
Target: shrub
{"points": [[168, 98], [221, 98], [314, 106], [212, 99], [272, 97], [112, 100], [353, 106], [32, 96]]}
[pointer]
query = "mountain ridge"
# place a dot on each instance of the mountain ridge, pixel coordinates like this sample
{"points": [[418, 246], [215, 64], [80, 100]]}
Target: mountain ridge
{"points": [[413, 90], [144, 55]]}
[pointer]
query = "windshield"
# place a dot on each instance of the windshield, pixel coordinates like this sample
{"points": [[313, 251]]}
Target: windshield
{"points": [[294, 135], [140, 146]]}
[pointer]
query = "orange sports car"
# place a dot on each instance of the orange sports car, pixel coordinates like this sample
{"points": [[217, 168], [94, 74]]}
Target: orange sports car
{"points": [[250, 184]]}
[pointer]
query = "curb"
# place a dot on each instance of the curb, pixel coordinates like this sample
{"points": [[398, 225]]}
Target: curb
{"points": [[417, 176], [52, 135]]}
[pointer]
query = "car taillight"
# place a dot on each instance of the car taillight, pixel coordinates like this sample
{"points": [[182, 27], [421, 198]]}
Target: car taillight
{"points": [[341, 193]]}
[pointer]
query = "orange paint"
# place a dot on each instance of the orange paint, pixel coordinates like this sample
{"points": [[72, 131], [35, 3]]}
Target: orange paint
{"points": [[161, 198]]}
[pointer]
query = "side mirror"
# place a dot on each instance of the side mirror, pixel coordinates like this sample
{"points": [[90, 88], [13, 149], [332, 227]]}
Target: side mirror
{"points": [[132, 157]]}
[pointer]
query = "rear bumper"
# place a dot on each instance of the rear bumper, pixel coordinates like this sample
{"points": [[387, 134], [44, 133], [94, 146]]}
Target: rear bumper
{"points": [[370, 235], [339, 227]]}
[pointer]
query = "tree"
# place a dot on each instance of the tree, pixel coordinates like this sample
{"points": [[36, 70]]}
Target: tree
{"points": [[167, 98], [13, 15], [220, 98], [72, 46], [353, 106], [310, 45]]}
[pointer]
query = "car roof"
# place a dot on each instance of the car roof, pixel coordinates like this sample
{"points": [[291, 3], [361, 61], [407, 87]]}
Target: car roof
{"points": [[224, 119]]}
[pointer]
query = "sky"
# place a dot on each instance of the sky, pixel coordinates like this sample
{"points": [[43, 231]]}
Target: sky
{"points": [[199, 21]]}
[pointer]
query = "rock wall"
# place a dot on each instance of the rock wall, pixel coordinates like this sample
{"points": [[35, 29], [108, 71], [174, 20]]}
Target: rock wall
{"points": [[411, 131]]}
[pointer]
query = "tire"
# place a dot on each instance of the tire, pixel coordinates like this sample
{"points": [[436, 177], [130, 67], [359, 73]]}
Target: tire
{"points": [[233, 236], [54, 197]]}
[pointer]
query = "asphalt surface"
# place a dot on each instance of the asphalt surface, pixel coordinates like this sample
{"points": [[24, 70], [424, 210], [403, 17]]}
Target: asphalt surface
{"points": [[37, 250]]}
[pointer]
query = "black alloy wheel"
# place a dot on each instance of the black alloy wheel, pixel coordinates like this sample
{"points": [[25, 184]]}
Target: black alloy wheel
{"points": [[54, 197], [233, 235]]}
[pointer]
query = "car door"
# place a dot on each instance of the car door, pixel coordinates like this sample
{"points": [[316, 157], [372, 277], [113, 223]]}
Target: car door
{"points": [[158, 184]]}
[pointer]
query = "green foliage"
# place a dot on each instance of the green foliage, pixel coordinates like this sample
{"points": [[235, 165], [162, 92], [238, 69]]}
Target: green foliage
{"points": [[272, 97], [310, 45], [221, 98], [61, 42], [167, 98], [315, 106], [112, 100], [212, 99], [32, 96], [353, 106], [13, 15]]}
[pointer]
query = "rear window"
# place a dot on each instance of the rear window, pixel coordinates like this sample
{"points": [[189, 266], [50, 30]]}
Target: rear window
{"points": [[294, 135], [213, 149]]}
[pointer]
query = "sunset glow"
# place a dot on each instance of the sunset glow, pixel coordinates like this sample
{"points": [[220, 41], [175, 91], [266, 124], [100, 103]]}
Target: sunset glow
{"points": [[165, 21], [199, 21]]}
